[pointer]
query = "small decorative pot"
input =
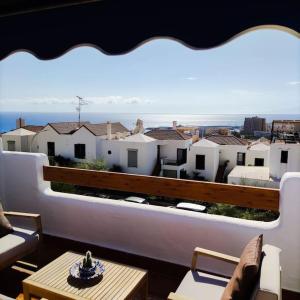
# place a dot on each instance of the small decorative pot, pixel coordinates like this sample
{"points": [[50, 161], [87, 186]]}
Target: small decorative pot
{"points": [[87, 272]]}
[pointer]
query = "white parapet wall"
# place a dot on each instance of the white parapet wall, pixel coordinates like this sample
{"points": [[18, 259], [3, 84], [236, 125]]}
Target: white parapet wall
{"points": [[161, 233]]}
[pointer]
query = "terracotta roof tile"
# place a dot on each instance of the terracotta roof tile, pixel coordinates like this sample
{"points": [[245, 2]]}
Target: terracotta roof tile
{"points": [[167, 134], [66, 127], [34, 128], [226, 140], [101, 129]]}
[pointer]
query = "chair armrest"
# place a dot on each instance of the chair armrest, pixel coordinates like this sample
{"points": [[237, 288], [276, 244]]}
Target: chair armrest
{"points": [[173, 296], [209, 253], [36, 218]]}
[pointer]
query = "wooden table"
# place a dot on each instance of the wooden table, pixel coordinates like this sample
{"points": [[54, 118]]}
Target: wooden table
{"points": [[118, 282]]}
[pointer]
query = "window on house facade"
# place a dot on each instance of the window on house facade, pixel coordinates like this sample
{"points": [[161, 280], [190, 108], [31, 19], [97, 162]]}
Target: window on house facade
{"points": [[132, 158], [51, 148], [240, 160], [11, 145], [181, 156], [79, 151], [284, 157], [259, 162], [200, 162]]}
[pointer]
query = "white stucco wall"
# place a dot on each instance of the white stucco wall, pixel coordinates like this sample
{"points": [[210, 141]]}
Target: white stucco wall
{"points": [[103, 146], [64, 143], [169, 148], [83, 136], [277, 169], [147, 155], [229, 152], [48, 134], [148, 230], [252, 154], [211, 161], [15, 138]]}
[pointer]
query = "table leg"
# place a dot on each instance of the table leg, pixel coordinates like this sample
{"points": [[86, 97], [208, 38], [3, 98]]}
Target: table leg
{"points": [[26, 292], [145, 293]]}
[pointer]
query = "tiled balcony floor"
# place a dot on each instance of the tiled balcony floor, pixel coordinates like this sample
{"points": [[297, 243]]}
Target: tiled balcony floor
{"points": [[163, 277]]}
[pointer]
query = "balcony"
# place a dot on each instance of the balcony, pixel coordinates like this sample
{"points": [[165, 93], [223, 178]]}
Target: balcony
{"points": [[142, 235], [172, 167]]}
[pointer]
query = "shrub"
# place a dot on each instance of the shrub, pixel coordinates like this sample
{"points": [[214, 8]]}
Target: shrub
{"points": [[97, 165], [242, 213], [63, 187]]}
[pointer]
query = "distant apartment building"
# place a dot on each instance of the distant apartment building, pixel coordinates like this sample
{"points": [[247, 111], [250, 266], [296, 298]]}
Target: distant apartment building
{"points": [[288, 130], [287, 126], [254, 124]]}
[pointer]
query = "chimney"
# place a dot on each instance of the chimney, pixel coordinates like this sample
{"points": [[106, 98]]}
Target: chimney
{"points": [[20, 123], [139, 127], [108, 130], [174, 125]]}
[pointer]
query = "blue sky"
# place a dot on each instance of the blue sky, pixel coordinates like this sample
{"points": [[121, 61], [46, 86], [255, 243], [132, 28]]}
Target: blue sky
{"points": [[256, 73]]}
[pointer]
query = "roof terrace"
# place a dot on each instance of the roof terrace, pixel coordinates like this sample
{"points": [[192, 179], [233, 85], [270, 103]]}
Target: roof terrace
{"points": [[142, 235]]}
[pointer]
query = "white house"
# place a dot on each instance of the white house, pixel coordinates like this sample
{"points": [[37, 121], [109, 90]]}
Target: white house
{"points": [[173, 147], [79, 143], [231, 149], [138, 154], [203, 158], [258, 154], [284, 157], [135, 154], [18, 140]]}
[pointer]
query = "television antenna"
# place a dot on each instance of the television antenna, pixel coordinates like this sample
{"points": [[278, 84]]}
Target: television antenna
{"points": [[81, 102]]}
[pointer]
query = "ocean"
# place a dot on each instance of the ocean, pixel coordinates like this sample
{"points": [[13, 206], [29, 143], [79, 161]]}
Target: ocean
{"points": [[8, 119]]}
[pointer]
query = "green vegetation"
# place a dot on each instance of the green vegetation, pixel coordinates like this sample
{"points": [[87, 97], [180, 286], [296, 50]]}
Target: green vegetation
{"points": [[242, 213], [60, 161], [63, 187], [97, 165]]}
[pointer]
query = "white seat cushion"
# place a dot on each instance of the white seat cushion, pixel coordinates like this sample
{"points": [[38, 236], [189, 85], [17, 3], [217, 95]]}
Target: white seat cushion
{"points": [[14, 244], [199, 285]]}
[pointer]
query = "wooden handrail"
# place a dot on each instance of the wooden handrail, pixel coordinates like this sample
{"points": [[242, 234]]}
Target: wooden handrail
{"points": [[245, 196]]}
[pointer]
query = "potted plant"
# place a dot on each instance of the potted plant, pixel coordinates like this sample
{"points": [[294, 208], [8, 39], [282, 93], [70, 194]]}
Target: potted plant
{"points": [[87, 267]]}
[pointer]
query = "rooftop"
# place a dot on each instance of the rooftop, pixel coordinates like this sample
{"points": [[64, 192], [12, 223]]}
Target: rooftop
{"points": [[205, 143], [19, 132], [34, 128], [250, 172], [101, 129], [139, 138], [66, 127], [226, 140], [259, 147], [167, 134], [96, 129]]}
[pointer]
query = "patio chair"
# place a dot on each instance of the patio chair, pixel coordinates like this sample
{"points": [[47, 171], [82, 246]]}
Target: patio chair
{"points": [[21, 241], [201, 285]]}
